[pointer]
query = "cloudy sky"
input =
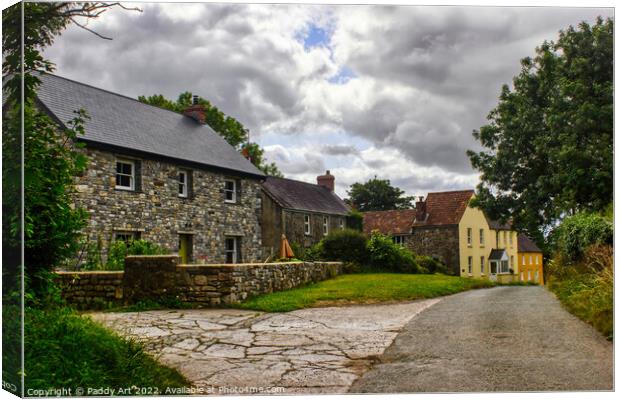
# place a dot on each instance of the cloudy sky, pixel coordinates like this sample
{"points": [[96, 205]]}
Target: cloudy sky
{"points": [[391, 91]]}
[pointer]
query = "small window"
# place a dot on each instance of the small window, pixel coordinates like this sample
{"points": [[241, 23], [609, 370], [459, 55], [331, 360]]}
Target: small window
{"points": [[341, 224], [482, 237], [126, 236], [523, 259], [307, 225], [512, 262], [400, 240], [530, 259], [183, 184], [325, 225], [504, 267], [125, 175], [230, 191], [482, 264], [469, 236], [232, 246], [470, 264], [510, 238]]}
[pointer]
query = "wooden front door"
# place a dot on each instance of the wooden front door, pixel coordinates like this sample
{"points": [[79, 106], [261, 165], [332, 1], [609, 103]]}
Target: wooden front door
{"points": [[185, 248]]}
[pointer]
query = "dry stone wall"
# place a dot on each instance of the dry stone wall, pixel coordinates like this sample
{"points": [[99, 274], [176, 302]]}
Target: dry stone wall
{"points": [[161, 276]]}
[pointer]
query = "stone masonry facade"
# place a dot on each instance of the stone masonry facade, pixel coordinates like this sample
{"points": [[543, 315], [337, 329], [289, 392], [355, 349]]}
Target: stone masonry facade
{"points": [[294, 226], [161, 276], [154, 211], [441, 242]]}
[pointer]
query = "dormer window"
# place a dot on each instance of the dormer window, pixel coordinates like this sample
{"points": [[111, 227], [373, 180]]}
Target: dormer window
{"points": [[125, 175]]}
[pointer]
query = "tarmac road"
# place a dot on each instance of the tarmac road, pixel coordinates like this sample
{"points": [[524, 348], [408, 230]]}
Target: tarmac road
{"points": [[505, 339]]}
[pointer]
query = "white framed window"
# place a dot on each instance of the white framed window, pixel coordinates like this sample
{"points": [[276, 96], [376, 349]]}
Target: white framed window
{"points": [[504, 267], [230, 191], [400, 240], [470, 264], [529, 275], [530, 259], [307, 225], [482, 237], [341, 224], [482, 264], [232, 247], [469, 236], [523, 259], [325, 225], [125, 175], [183, 184]]}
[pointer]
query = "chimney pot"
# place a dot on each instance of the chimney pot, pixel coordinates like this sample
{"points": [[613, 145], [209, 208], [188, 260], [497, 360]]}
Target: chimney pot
{"points": [[420, 210], [327, 180], [195, 100]]}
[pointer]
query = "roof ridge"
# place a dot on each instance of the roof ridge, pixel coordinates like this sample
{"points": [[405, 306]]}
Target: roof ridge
{"points": [[298, 181], [110, 92], [452, 192]]}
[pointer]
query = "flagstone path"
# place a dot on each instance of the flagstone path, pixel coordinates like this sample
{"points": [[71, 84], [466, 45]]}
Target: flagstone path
{"points": [[318, 350]]}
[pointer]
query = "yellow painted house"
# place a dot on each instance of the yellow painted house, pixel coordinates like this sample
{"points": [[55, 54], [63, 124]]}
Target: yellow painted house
{"points": [[530, 259], [487, 249]]}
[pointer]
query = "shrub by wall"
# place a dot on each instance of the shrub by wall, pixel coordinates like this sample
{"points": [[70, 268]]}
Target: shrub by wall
{"points": [[385, 255], [345, 245]]}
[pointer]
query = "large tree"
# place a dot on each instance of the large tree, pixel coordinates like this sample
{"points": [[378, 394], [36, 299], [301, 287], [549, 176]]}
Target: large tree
{"points": [[548, 146], [378, 195], [51, 224], [228, 127]]}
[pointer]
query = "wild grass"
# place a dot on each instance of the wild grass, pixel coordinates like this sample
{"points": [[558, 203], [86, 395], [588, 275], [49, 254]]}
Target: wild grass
{"points": [[364, 288], [64, 349], [586, 288]]}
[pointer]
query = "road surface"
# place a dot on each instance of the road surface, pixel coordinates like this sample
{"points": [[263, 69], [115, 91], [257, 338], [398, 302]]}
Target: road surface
{"points": [[501, 339]]}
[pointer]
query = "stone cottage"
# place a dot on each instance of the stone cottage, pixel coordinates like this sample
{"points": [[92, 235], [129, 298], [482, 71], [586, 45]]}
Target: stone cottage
{"points": [[303, 212], [444, 226], [159, 175]]}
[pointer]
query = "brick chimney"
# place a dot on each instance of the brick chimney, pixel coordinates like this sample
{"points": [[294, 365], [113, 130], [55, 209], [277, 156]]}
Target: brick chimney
{"points": [[196, 112], [326, 180], [420, 210]]}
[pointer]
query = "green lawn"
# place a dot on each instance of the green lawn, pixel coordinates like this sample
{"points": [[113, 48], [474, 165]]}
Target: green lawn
{"points": [[364, 288]]}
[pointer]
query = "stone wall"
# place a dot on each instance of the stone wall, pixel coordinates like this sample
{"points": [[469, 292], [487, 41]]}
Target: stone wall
{"points": [[91, 290], [161, 276], [441, 242], [155, 212]]}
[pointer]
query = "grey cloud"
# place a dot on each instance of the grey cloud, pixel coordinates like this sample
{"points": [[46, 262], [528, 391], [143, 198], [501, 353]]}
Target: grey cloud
{"points": [[339, 149]]}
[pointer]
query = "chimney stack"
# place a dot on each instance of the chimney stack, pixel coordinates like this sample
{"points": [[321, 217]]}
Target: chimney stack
{"points": [[420, 210], [326, 180], [196, 111]]}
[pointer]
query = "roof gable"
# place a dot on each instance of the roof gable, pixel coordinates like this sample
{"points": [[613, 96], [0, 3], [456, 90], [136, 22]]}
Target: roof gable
{"points": [[391, 222], [124, 122], [298, 195], [445, 208]]}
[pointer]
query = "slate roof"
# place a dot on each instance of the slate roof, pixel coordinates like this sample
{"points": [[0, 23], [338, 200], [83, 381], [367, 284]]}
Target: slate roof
{"points": [[124, 122], [298, 195], [496, 225], [525, 244], [496, 254], [394, 222], [445, 208]]}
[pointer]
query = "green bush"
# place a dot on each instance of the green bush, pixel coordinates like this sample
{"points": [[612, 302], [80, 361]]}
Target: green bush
{"points": [[64, 349], [355, 220], [385, 255], [119, 250], [431, 265], [578, 232], [314, 253], [345, 245]]}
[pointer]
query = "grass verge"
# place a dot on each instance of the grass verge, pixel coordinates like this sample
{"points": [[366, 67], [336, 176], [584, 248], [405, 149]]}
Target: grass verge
{"points": [[364, 288], [64, 349]]}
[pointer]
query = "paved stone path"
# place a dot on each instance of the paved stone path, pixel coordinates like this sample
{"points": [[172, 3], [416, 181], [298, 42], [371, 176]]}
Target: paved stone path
{"points": [[319, 350], [498, 339]]}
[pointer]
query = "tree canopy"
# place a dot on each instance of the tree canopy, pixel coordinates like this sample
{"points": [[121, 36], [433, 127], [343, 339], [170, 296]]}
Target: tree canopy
{"points": [[548, 146], [229, 128], [378, 195]]}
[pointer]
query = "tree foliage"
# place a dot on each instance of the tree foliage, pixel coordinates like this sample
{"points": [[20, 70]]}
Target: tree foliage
{"points": [[548, 144], [378, 195], [229, 128], [51, 223]]}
